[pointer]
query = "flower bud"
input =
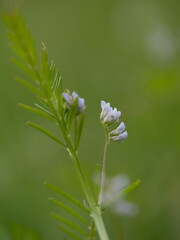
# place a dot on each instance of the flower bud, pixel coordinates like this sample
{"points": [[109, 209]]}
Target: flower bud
{"points": [[120, 137], [70, 99], [118, 130]]}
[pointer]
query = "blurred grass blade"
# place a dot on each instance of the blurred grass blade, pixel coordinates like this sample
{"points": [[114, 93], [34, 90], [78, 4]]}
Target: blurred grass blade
{"points": [[79, 130], [23, 67], [69, 210], [125, 191], [29, 86], [52, 71], [22, 43], [45, 110], [46, 132], [43, 101], [97, 183], [67, 196], [69, 233], [45, 70], [56, 82], [36, 111], [69, 223]]}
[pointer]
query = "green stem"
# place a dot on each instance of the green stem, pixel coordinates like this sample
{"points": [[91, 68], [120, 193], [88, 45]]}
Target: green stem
{"points": [[83, 179], [92, 234], [96, 214], [95, 211], [103, 167], [75, 131]]}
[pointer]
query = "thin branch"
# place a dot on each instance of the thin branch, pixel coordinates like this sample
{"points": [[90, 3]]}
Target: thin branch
{"points": [[103, 167]]}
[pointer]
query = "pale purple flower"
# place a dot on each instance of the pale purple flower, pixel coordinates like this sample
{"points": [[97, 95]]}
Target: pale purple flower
{"points": [[75, 95], [70, 99], [105, 109], [118, 134], [120, 137], [118, 130], [67, 97], [108, 114]]}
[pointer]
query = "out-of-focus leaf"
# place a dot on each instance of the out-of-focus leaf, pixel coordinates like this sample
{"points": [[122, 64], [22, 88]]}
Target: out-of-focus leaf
{"points": [[67, 196], [69, 233], [69, 223], [79, 130], [46, 132], [69, 210]]}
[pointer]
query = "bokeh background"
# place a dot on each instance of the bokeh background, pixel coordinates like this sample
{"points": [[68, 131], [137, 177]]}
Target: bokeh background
{"points": [[126, 52]]}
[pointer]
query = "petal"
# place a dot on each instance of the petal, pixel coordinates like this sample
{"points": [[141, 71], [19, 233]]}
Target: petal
{"points": [[67, 97], [123, 136], [103, 104], [121, 127], [118, 114], [120, 137], [75, 95], [81, 103]]}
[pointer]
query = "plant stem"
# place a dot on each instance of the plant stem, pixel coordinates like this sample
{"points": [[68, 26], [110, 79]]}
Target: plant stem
{"points": [[96, 214], [75, 131], [92, 234], [95, 211], [83, 179], [103, 167]]}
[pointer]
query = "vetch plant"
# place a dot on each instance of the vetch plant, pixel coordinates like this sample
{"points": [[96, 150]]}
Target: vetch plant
{"points": [[66, 111]]}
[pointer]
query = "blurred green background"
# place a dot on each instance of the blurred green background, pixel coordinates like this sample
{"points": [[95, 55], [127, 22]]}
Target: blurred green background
{"points": [[126, 52]]}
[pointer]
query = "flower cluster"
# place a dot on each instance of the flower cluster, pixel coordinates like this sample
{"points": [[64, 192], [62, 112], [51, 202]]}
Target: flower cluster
{"points": [[109, 116], [71, 98]]}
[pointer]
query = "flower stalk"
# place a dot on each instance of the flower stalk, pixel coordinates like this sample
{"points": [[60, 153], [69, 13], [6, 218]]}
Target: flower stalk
{"points": [[103, 165]]}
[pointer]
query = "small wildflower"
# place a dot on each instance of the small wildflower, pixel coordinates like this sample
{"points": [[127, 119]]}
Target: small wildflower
{"points": [[120, 137], [118, 134], [125, 208], [70, 99], [118, 130], [67, 98], [108, 114], [105, 109], [113, 186]]}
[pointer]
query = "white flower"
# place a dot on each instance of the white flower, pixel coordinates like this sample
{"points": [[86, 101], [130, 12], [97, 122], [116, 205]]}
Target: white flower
{"points": [[108, 114], [124, 207], [113, 186], [118, 130], [120, 137], [70, 99], [105, 109]]}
